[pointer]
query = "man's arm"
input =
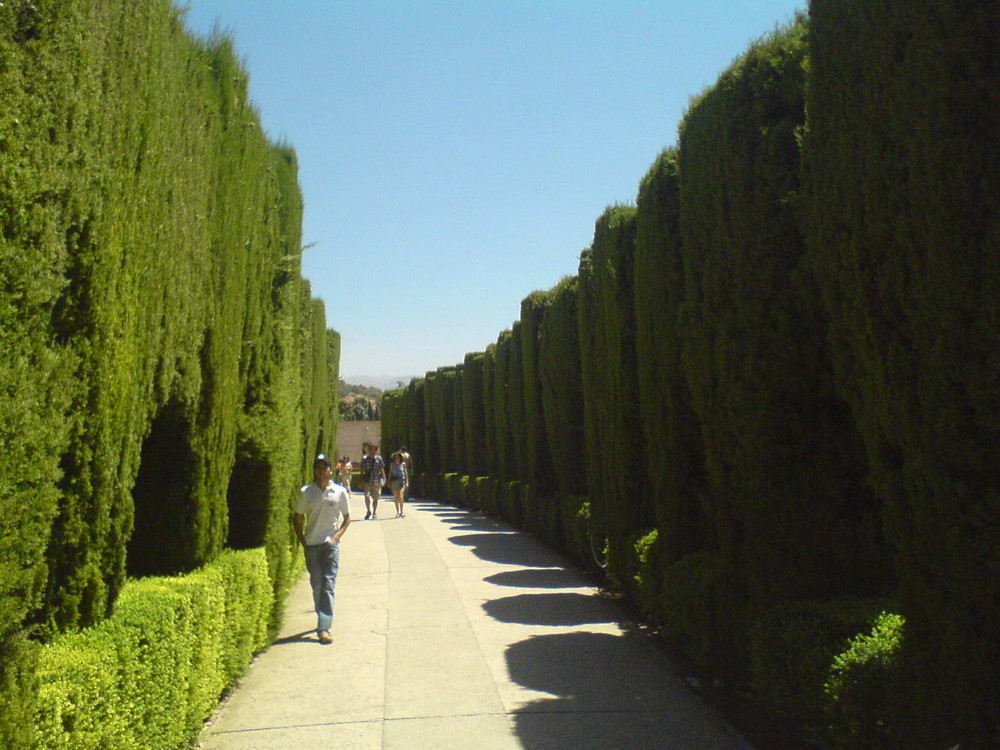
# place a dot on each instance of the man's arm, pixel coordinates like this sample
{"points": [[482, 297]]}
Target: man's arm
{"points": [[297, 524], [343, 527]]}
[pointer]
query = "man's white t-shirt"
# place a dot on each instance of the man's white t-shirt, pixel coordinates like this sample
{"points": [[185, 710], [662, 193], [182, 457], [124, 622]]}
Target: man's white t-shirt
{"points": [[323, 511]]}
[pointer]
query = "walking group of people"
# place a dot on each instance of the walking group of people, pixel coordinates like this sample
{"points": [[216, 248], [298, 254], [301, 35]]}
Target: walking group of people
{"points": [[323, 514], [375, 475]]}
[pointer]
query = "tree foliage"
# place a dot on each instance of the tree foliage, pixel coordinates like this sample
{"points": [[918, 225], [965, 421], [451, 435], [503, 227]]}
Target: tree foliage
{"points": [[158, 346]]}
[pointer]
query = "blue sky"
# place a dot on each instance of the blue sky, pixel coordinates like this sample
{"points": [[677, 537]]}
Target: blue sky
{"points": [[454, 155]]}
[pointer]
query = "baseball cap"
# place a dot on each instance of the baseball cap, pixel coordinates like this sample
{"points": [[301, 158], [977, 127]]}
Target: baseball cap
{"points": [[322, 458]]}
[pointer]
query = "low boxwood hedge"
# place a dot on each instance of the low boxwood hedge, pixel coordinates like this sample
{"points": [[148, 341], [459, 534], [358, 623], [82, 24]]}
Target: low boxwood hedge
{"points": [[147, 677]]}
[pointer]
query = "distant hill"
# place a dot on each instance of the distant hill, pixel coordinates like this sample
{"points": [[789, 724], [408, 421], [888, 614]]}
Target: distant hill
{"points": [[359, 402], [382, 382]]}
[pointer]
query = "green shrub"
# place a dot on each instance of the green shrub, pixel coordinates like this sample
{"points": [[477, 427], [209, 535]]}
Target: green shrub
{"points": [[574, 523], [684, 597], [647, 579], [464, 492], [859, 687], [489, 498], [511, 503], [449, 480], [148, 676], [792, 647], [480, 491]]}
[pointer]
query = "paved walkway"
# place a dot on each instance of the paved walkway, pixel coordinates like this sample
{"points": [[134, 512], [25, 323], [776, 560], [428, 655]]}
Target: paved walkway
{"points": [[453, 631]]}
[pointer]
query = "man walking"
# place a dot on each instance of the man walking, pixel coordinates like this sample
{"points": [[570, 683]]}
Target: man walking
{"points": [[372, 478], [321, 517]]}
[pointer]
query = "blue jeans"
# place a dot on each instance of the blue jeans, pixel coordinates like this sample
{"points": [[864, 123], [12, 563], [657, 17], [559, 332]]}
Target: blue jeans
{"points": [[322, 562]]}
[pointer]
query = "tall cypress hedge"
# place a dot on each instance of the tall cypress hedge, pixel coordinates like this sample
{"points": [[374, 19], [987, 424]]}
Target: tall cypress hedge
{"points": [[504, 438], [561, 384], [418, 416], [672, 442], [473, 415], [606, 315], [813, 372], [445, 412], [782, 452], [538, 455], [36, 363], [392, 410], [154, 325], [902, 173], [516, 412], [430, 444], [459, 453], [489, 411]]}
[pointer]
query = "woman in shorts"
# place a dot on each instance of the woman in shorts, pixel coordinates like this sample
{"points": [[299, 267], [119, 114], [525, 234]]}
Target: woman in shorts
{"points": [[398, 481]]}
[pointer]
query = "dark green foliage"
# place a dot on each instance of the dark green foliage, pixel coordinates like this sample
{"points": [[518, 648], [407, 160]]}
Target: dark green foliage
{"points": [[430, 444], [514, 399], [538, 455], [473, 416], [688, 599], [792, 647], [575, 525], [440, 446], [416, 414], [444, 415], [560, 379], [512, 502], [861, 686], [459, 447], [671, 432], [394, 420], [783, 460], [503, 437], [902, 178], [490, 412], [606, 315]]}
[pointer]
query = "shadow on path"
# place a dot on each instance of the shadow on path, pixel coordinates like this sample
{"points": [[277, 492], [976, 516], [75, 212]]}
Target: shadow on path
{"points": [[564, 609], [533, 578], [304, 637], [506, 548], [629, 705]]}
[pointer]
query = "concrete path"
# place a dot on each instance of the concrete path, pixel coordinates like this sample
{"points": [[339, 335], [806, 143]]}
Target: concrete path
{"points": [[453, 631]]}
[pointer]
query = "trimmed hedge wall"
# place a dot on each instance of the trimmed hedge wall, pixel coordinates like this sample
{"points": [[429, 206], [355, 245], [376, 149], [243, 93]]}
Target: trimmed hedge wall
{"points": [[164, 375], [672, 442], [616, 470], [783, 457], [902, 208], [538, 469], [560, 378], [473, 416], [776, 378]]}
